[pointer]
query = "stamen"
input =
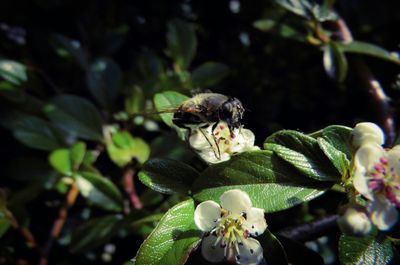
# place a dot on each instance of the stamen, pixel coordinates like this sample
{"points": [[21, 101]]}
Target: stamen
{"points": [[244, 215], [237, 249], [379, 168]]}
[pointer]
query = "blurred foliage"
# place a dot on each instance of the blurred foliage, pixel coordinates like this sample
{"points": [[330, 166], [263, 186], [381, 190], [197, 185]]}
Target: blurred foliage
{"points": [[77, 83]]}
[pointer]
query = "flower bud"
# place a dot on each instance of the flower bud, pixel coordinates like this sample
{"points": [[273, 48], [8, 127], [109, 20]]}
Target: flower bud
{"points": [[367, 132], [354, 222]]}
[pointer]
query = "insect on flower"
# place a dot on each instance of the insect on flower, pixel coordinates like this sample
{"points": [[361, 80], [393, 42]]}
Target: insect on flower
{"points": [[203, 112], [228, 228], [220, 138]]}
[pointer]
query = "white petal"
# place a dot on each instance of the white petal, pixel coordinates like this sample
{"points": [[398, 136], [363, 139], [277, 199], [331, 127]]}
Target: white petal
{"points": [[368, 155], [365, 159], [360, 183], [367, 132], [394, 160], [206, 215], [245, 140], [209, 251], [235, 201], [383, 214], [250, 252], [198, 140], [255, 222]]}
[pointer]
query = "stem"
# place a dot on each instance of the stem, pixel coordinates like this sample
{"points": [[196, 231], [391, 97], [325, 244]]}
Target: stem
{"points": [[25, 232], [378, 95], [309, 231], [59, 223], [130, 189]]}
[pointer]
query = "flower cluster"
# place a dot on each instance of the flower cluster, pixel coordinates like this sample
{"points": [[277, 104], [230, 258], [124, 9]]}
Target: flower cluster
{"points": [[217, 143], [376, 174], [228, 228]]}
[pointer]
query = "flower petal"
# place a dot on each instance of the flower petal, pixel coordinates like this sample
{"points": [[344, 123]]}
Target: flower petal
{"points": [[383, 214], [198, 140], [236, 201], [367, 132], [209, 251], [255, 221], [365, 159], [206, 215], [394, 160], [368, 155], [360, 183], [244, 140], [250, 252]]}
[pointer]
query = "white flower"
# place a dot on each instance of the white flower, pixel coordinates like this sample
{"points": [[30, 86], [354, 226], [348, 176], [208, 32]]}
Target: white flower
{"points": [[219, 145], [367, 132], [355, 222], [228, 228], [377, 177]]}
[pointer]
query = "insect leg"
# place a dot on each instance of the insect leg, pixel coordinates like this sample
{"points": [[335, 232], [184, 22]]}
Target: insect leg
{"points": [[215, 139], [218, 156]]}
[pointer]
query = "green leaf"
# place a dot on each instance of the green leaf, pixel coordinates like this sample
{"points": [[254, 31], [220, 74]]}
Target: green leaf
{"points": [[124, 147], [367, 250], [258, 173], [168, 145], [303, 153], [12, 71], [94, 233], [369, 49], [75, 115], [135, 101], [67, 161], [5, 224], [99, 191], [173, 239], [274, 252], [282, 30], [36, 133], [182, 42], [60, 159], [302, 8], [335, 62], [12, 93], [167, 176], [70, 48], [324, 12], [209, 74], [77, 154], [338, 158], [265, 24], [168, 101], [150, 66], [103, 80], [338, 136]]}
